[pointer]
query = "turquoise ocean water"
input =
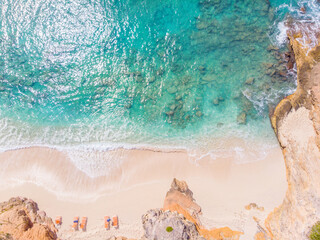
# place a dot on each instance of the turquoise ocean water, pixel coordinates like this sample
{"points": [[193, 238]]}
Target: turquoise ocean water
{"points": [[142, 73]]}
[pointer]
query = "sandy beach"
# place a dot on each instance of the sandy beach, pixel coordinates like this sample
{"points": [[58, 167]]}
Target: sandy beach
{"points": [[220, 186]]}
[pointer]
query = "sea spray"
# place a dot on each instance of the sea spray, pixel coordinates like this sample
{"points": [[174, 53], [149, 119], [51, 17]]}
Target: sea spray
{"points": [[292, 15]]}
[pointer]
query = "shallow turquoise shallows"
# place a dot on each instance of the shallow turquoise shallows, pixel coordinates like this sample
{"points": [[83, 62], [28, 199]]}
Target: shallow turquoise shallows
{"points": [[168, 73]]}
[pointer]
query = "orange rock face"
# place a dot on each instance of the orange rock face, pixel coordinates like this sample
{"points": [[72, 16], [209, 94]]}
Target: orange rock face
{"points": [[20, 218], [296, 121], [180, 199], [220, 234], [259, 236]]}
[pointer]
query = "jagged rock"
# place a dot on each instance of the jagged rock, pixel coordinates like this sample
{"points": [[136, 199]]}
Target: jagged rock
{"points": [[290, 58], [181, 195], [268, 65], [163, 225], [182, 187], [21, 219]]}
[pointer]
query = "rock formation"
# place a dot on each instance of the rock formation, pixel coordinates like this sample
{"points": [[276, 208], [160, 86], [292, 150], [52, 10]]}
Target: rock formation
{"points": [[180, 212], [159, 224], [180, 199], [20, 218], [180, 195], [296, 121]]}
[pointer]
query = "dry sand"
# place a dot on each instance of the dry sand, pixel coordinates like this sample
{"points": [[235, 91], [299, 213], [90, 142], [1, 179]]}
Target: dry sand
{"points": [[221, 187]]}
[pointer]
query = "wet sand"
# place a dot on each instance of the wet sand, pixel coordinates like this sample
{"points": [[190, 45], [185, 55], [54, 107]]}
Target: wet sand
{"points": [[220, 186]]}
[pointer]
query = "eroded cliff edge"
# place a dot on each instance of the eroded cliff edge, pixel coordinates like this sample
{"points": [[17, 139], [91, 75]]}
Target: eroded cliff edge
{"points": [[296, 122]]}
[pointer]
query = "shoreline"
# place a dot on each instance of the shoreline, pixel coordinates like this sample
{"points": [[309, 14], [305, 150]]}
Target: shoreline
{"points": [[135, 187]]}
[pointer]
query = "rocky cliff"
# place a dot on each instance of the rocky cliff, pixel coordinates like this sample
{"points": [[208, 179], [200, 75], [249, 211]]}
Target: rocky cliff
{"points": [[296, 121], [20, 218]]}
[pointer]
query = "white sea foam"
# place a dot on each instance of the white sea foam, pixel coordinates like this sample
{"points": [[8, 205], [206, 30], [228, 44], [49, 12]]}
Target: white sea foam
{"points": [[308, 23], [86, 143], [281, 36]]}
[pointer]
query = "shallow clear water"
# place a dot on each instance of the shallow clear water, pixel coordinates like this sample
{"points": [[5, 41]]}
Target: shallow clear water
{"points": [[149, 73]]}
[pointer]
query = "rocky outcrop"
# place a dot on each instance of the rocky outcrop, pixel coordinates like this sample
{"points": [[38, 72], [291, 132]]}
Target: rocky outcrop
{"points": [[180, 196], [179, 217], [296, 121], [20, 218], [179, 199], [159, 224]]}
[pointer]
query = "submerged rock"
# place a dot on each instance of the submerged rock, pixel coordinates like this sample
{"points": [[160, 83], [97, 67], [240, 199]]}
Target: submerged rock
{"points": [[215, 101], [133, 74], [172, 90], [219, 125], [173, 107], [170, 113], [249, 81], [199, 114], [202, 25], [160, 71], [201, 68], [208, 78], [268, 65], [272, 48], [242, 118], [128, 105], [151, 79], [221, 99], [178, 97]]}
